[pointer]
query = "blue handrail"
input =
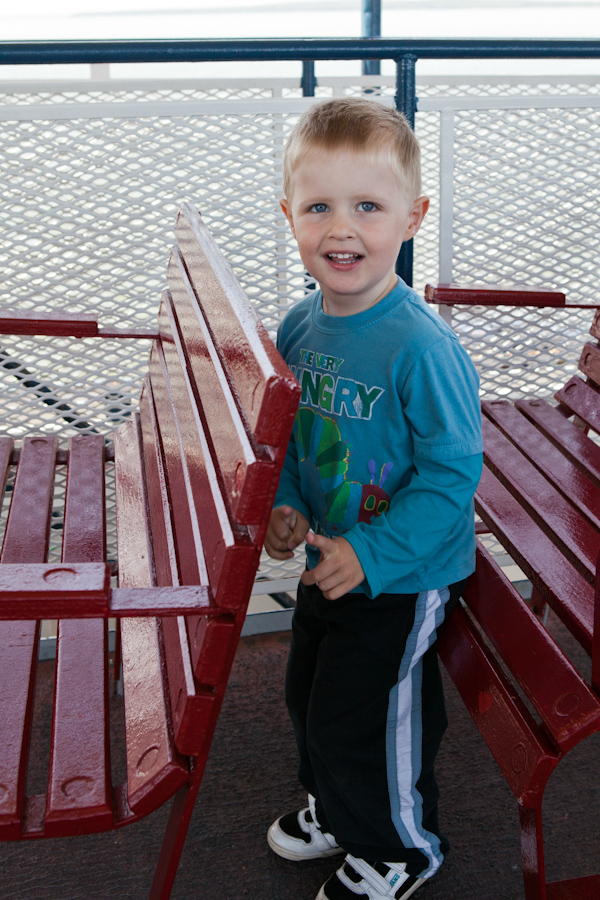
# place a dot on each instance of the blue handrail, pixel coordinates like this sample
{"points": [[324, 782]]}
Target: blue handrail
{"points": [[238, 49]]}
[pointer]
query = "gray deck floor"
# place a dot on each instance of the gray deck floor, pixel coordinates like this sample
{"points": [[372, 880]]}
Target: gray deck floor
{"points": [[250, 779]]}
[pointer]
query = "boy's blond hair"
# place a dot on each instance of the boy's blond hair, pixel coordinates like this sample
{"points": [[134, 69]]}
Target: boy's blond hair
{"points": [[364, 126]]}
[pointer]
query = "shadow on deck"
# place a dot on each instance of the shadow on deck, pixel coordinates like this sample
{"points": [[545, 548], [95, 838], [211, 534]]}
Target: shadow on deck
{"points": [[251, 778]]}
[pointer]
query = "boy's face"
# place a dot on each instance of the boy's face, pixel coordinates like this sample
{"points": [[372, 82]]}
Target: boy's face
{"points": [[350, 216]]}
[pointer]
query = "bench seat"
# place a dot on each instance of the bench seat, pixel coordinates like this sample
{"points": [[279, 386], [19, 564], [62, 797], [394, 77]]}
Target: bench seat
{"points": [[539, 496]]}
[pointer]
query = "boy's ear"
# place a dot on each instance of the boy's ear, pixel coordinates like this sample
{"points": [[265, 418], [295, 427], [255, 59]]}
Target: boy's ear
{"points": [[416, 216], [287, 211]]}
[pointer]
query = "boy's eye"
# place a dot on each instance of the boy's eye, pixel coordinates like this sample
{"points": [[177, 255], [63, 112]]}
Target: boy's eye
{"points": [[366, 206], [319, 207]]}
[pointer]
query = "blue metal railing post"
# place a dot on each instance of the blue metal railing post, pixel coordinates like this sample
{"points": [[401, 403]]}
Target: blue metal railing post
{"points": [[309, 81], [406, 102], [371, 28]]}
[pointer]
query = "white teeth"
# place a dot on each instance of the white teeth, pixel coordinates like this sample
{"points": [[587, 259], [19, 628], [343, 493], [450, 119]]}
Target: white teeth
{"points": [[343, 255]]}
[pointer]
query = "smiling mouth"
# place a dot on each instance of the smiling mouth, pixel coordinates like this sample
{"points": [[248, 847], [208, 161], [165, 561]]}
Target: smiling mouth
{"points": [[344, 258]]}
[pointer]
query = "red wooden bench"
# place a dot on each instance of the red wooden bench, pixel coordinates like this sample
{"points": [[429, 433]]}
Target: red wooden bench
{"points": [[195, 472], [540, 496]]}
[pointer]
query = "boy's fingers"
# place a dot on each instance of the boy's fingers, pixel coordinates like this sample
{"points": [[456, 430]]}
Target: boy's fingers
{"points": [[321, 542], [299, 531], [328, 564], [325, 574], [338, 570], [282, 524], [279, 554], [289, 516], [275, 547], [332, 586], [281, 532]]}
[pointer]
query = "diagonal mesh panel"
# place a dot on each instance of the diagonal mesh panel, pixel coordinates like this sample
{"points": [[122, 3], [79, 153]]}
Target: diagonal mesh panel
{"points": [[527, 188], [86, 226]]}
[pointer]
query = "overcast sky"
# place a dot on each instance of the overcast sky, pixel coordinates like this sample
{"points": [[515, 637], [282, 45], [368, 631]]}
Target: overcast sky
{"points": [[72, 19], [130, 19]]}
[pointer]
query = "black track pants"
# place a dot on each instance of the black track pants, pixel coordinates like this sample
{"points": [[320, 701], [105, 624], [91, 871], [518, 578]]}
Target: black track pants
{"points": [[364, 692]]}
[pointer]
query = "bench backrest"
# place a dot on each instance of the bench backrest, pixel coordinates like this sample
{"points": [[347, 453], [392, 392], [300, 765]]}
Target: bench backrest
{"points": [[216, 412]]}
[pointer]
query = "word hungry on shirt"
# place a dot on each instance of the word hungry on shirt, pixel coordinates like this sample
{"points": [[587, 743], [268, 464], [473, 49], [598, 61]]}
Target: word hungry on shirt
{"points": [[330, 392]]}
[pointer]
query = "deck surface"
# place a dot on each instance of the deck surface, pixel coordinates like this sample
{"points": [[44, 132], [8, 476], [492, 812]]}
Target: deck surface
{"points": [[250, 779]]}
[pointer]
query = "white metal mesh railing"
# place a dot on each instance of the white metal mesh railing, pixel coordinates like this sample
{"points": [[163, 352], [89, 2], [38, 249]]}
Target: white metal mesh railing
{"points": [[92, 174], [523, 203]]}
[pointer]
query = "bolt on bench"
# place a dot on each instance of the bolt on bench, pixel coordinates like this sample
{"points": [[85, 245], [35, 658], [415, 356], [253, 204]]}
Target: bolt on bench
{"points": [[196, 471], [539, 495]]}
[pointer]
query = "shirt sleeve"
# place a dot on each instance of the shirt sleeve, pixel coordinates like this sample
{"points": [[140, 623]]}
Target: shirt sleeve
{"points": [[419, 530], [288, 491], [430, 516]]}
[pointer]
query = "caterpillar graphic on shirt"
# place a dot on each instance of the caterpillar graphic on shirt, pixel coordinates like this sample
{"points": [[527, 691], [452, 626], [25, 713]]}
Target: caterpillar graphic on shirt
{"points": [[325, 458]]}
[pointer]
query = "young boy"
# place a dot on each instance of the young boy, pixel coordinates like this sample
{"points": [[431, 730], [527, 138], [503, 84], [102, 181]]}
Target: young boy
{"points": [[379, 479]]}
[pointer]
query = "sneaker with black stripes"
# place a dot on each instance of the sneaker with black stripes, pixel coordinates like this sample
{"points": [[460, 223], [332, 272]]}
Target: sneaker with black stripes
{"points": [[358, 879], [298, 835]]}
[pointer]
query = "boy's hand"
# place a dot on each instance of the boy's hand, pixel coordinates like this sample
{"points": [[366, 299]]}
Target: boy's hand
{"points": [[338, 570], [287, 529]]}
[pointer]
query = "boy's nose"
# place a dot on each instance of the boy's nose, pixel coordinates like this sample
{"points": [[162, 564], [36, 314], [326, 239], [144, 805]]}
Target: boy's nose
{"points": [[341, 226]]}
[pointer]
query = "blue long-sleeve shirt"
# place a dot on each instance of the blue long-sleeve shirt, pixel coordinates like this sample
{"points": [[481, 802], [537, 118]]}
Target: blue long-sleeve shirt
{"points": [[386, 448]]}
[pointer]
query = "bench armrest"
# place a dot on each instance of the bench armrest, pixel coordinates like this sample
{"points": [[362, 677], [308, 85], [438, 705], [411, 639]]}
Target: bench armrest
{"points": [[51, 324], [17, 321], [83, 590], [492, 295]]}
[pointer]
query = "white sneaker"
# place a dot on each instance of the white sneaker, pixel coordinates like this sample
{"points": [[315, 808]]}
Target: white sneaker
{"points": [[299, 835], [377, 881]]}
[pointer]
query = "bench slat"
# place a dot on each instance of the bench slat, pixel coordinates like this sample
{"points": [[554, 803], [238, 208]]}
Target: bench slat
{"points": [[6, 448], [25, 540], [79, 798], [262, 380], [575, 445], [582, 400], [191, 707], [28, 526], [595, 326], [191, 710], [166, 564], [79, 795], [589, 362], [524, 753], [570, 710], [227, 547], [154, 767], [210, 640], [18, 663], [576, 537], [556, 468], [564, 588], [247, 475], [160, 429]]}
